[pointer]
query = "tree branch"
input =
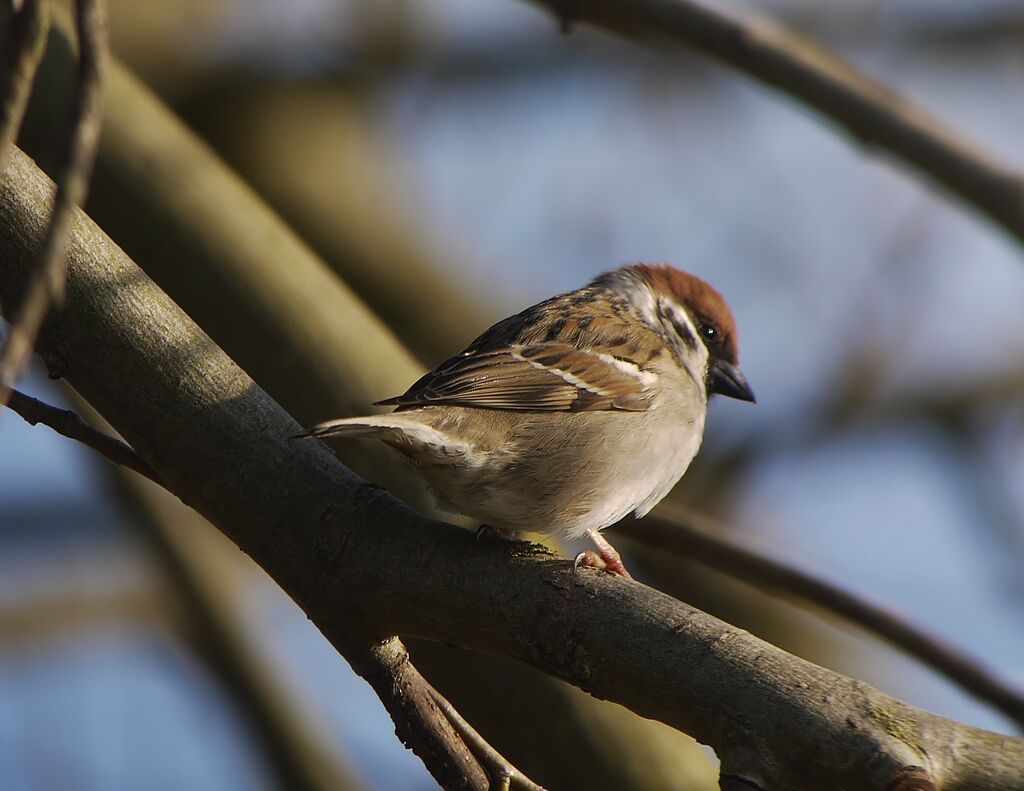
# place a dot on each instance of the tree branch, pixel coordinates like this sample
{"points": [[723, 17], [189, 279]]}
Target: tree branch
{"points": [[359, 563], [69, 424], [775, 56], [687, 535], [419, 724], [504, 776], [690, 536], [47, 285], [699, 539], [282, 139]]}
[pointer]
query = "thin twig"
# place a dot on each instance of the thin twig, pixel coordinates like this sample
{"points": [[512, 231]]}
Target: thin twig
{"points": [[71, 425], [419, 723], [870, 112], [503, 774], [21, 50], [701, 540], [72, 179]]}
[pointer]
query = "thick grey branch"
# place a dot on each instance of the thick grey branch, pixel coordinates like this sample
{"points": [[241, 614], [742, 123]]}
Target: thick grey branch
{"points": [[870, 112], [688, 535], [359, 562]]}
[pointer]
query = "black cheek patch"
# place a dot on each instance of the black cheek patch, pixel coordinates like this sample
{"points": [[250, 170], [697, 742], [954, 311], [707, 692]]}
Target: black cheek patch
{"points": [[686, 334]]}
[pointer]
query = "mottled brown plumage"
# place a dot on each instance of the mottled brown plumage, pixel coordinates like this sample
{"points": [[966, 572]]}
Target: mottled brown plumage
{"points": [[525, 363]]}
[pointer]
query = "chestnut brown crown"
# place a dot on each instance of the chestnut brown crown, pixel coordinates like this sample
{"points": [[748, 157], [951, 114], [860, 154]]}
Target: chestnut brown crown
{"points": [[707, 311], [702, 301]]}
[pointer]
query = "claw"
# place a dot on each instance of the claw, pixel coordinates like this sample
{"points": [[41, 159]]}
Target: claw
{"points": [[588, 559]]}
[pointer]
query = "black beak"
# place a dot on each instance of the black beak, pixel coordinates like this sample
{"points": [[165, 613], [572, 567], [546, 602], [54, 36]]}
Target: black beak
{"points": [[727, 380]]}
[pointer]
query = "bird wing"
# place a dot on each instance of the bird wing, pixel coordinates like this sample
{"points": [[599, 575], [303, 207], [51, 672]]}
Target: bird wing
{"points": [[555, 377]]}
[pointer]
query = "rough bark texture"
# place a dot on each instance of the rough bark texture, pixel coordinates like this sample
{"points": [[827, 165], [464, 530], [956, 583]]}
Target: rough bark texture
{"points": [[357, 561]]}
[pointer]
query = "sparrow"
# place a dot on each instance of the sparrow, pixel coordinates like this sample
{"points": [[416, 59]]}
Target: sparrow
{"points": [[566, 417]]}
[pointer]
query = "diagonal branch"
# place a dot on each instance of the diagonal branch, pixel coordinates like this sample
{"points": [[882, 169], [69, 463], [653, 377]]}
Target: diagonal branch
{"points": [[361, 564], [775, 56], [47, 284], [699, 539], [407, 696]]}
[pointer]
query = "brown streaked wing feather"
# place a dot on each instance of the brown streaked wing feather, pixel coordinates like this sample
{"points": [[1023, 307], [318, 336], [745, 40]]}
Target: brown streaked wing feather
{"points": [[535, 377]]}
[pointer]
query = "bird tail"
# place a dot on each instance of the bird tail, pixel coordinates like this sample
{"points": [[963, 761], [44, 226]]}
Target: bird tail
{"points": [[367, 426], [399, 430]]}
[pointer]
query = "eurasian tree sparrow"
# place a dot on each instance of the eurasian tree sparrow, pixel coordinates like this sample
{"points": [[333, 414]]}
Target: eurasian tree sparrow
{"points": [[573, 413]]}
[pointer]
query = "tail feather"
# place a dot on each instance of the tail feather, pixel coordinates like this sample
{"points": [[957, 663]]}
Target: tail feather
{"points": [[369, 426], [396, 429]]}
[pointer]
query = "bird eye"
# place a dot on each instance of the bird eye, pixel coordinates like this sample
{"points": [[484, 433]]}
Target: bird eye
{"points": [[709, 332]]}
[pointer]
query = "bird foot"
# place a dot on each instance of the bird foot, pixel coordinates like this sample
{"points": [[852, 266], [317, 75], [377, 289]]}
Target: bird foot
{"points": [[607, 557]]}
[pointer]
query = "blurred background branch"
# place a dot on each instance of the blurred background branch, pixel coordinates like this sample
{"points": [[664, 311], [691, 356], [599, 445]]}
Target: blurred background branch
{"points": [[80, 139], [23, 33], [870, 112], [206, 575], [308, 149]]}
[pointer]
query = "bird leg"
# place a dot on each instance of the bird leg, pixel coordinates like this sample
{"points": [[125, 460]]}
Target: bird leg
{"points": [[606, 557]]}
